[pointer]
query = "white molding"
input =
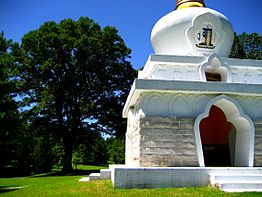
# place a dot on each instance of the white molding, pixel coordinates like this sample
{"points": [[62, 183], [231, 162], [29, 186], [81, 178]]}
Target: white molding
{"points": [[142, 87], [192, 68], [215, 63]]}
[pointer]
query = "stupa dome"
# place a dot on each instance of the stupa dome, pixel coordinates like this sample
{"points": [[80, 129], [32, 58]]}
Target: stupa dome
{"points": [[193, 29]]}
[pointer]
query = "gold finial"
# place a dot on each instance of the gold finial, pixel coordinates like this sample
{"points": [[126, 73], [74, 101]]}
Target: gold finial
{"points": [[181, 4]]}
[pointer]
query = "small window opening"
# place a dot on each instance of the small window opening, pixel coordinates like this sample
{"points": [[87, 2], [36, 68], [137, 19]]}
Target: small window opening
{"points": [[213, 76]]}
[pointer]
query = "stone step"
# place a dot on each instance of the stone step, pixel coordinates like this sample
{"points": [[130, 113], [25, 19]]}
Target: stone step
{"points": [[105, 174], [242, 190], [94, 176], [84, 179], [239, 177], [236, 171], [213, 178], [240, 186], [237, 182]]}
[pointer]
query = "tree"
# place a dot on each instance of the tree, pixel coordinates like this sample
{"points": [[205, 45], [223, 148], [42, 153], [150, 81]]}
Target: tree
{"points": [[247, 46], [9, 115], [77, 158], [237, 50], [252, 44], [116, 150], [77, 76], [43, 158]]}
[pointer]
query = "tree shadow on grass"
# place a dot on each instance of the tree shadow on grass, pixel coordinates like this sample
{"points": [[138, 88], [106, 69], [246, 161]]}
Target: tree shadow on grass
{"points": [[60, 173], [4, 189]]}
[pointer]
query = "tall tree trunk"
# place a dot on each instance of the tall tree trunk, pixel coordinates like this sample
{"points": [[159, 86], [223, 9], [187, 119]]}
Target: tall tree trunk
{"points": [[68, 147]]}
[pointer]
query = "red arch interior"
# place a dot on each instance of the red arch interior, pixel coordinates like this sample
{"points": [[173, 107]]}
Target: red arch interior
{"points": [[215, 128], [214, 132]]}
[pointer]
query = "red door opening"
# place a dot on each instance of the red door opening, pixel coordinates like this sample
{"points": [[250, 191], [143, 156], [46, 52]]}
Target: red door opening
{"points": [[215, 134]]}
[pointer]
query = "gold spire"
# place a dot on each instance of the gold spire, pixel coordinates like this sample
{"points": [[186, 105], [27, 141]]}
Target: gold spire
{"points": [[181, 4]]}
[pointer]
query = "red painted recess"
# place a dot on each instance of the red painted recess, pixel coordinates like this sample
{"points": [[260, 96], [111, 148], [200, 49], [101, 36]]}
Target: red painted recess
{"points": [[215, 128]]}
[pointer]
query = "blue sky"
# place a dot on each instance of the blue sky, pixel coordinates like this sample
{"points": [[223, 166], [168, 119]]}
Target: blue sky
{"points": [[133, 18]]}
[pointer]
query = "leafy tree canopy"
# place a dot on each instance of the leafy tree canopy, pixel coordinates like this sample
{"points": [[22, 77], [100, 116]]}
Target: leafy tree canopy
{"points": [[247, 46], [9, 115], [76, 75]]}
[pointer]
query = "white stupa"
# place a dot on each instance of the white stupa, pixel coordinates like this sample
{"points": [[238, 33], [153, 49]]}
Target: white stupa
{"points": [[187, 78], [193, 31], [192, 108]]}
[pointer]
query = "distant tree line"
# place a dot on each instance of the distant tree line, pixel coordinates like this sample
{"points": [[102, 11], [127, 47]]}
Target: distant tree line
{"points": [[247, 46], [62, 91]]}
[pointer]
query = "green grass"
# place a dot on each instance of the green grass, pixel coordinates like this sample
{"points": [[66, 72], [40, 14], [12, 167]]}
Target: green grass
{"points": [[88, 167], [49, 185]]}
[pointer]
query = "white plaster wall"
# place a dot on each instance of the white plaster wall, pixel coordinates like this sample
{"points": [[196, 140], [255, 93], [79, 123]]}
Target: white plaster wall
{"points": [[132, 148]]}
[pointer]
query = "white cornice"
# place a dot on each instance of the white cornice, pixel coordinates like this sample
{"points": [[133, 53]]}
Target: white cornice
{"points": [[141, 86]]}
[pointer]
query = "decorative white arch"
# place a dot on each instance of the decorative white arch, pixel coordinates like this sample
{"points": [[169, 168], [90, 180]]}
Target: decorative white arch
{"points": [[215, 64], [153, 104], [245, 131], [178, 105]]}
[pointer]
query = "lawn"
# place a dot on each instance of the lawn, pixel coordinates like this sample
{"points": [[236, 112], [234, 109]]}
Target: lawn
{"points": [[51, 185]]}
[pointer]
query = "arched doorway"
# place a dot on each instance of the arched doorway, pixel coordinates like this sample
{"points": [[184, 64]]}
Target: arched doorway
{"points": [[218, 138], [234, 139]]}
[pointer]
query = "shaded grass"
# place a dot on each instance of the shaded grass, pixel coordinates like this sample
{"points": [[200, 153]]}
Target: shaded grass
{"points": [[70, 186], [81, 170]]}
